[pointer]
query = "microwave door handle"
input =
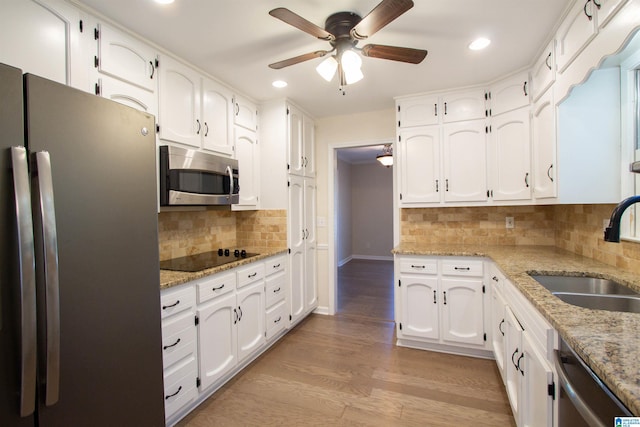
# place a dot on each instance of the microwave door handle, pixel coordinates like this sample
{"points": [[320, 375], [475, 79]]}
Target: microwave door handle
{"points": [[27, 278], [231, 186], [51, 279]]}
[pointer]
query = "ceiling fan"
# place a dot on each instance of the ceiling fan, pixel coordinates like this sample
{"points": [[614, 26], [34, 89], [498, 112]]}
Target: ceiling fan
{"points": [[343, 31]]}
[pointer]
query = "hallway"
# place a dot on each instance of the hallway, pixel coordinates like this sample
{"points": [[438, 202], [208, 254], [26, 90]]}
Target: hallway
{"points": [[365, 289]]}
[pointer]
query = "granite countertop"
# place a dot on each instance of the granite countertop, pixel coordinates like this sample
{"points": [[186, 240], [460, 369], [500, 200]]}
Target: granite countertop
{"points": [[170, 278], [609, 342]]}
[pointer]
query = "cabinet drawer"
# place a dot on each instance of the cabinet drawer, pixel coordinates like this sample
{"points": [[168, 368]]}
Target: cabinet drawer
{"points": [[178, 339], [250, 273], [418, 265], [215, 285], [276, 319], [275, 289], [180, 387], [275, 265], [176, 300], [462, 268]]}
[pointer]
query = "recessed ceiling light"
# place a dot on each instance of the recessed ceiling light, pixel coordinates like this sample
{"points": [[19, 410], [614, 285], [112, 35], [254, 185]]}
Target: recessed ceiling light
{"points": [[164, 1], [479, 44], [279, 84]]}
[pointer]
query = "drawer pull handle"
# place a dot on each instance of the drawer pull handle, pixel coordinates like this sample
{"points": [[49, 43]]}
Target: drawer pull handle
{"points": [[276, 266], [251, 276], [278, 320], [275, 291], [172, 345], [171, 395], [218, 288], [417, 266], [462, 268], [500, 327], [164, 307]]}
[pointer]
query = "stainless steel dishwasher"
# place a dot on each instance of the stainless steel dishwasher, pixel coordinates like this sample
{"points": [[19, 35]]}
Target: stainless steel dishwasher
{"points": [[583, 400]]}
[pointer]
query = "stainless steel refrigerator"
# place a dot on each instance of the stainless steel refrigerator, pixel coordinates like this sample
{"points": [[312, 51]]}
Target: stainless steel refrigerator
{"points": [[80, 332]]}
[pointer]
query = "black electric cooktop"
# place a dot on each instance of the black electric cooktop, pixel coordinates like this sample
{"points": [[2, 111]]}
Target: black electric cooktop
{"points": [[202, 261]]}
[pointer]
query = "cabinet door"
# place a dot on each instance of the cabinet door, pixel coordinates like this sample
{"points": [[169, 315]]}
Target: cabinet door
{"points": [[128, 94], [295, 123], [419, 165], [218, 339], [465, 161], [509, 94], [543, 73], [41, 37], [537, 407], [419, 307], [607, 9], [179, 94], [510, 157], [462, 311], [464, 106], [575, 32], [217, 107], [126, 58], [498, 329], [296, 233], [309, 145], [543, 122], [251, 320], [310, 288], [422, 111], [245, 114], [248, 157], [513, 361]]}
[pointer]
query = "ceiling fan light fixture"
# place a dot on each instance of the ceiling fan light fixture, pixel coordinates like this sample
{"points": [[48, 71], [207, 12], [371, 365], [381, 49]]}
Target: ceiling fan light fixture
{"points": [[386, 158], [351, 63], [327, 68]]}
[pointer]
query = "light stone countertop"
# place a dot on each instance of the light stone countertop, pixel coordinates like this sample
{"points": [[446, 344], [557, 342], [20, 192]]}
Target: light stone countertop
{"points": [[169, 278], [609, 342]]}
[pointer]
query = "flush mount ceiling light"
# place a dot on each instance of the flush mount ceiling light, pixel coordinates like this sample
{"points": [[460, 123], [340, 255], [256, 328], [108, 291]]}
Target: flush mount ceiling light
{"points": [[279, 84], [343, 31], [479, 43], [164, 1], [386, 158]]}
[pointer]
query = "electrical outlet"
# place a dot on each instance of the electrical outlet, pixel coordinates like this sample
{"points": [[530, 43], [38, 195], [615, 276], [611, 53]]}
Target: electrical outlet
{"points": [[509, 222]]}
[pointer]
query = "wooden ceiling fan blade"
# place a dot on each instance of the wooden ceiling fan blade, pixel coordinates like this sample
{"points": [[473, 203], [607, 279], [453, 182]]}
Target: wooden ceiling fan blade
{"points": [[394, 53], [298, 59], [300, 23], [385, 12]]}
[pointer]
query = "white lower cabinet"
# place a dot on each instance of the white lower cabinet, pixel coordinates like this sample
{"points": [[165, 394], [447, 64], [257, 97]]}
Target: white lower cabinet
{"points": [[441, 304]]}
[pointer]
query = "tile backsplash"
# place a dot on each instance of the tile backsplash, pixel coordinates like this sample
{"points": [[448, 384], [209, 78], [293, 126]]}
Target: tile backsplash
{"points": [[190, 232]]}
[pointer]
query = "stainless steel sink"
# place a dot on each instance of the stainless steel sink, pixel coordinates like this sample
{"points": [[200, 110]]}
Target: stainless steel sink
{"points": [[583, 285], [627, 303]]}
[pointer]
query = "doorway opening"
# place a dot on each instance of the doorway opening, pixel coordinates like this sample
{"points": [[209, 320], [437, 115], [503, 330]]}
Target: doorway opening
{"points": [[363, 233]]}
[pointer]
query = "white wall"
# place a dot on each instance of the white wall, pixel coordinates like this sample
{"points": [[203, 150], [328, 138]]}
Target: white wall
{"points": [[372, 211], [343, 205], [373, 127]]}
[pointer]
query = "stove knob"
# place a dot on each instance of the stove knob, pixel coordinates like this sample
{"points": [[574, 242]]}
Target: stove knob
{"points": [[236, 253], [220, 252], [243, 254], [226, 252]]}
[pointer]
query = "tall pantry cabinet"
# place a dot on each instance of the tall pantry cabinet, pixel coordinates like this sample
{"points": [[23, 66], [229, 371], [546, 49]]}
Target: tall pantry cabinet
{"points": [[288, 147]]}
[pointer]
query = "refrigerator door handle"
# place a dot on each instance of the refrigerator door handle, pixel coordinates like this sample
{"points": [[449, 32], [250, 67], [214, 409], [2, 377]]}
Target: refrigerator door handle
{"points": [[51, 282], [27, 277]]}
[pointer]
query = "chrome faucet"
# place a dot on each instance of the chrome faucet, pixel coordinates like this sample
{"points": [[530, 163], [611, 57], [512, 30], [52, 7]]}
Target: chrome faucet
{"points": [[612, 232]]}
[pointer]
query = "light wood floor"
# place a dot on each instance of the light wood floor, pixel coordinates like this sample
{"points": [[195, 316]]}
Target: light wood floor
{"points": [[345, 370]]}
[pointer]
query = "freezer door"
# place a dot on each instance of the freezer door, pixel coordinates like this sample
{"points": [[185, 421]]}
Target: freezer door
{"points": [[17, 322], [102, 159]]}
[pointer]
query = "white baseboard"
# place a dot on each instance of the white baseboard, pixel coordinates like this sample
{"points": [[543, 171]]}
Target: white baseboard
{"points": [[344, 261], [373, 257], [322, 310]]}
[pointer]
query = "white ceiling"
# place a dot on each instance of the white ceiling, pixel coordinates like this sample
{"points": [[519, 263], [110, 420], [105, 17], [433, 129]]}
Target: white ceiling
{"points": [[235, 40]]}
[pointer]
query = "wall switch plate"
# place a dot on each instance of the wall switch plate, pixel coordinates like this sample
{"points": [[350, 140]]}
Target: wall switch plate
{"points": [[509, 222], [321, 221]]}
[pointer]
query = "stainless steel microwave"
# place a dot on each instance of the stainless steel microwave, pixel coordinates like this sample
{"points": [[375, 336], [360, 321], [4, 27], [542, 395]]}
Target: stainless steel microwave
{"points": [[193, 178]]}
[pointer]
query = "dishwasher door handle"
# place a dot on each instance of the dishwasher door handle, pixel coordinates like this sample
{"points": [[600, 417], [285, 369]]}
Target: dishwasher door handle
{"points": [[581, 406]]}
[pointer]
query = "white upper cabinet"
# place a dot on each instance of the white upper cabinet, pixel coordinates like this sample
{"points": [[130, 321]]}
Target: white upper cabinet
{"points": [[419, 165], [543, 122], [248, 156], [575, 32], [509, 94], [509, 156], [465, 161], [462, 106], [217, 121], [296, 137], [179, 91], [543, 73], [607, 9], [309, 145], [42, 37], [418, 111], [245, 113], [124, 57], [124, 93]]}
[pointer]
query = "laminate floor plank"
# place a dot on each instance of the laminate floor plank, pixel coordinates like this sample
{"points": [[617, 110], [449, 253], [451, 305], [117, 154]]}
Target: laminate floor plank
{"points": [[346, 370]]}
